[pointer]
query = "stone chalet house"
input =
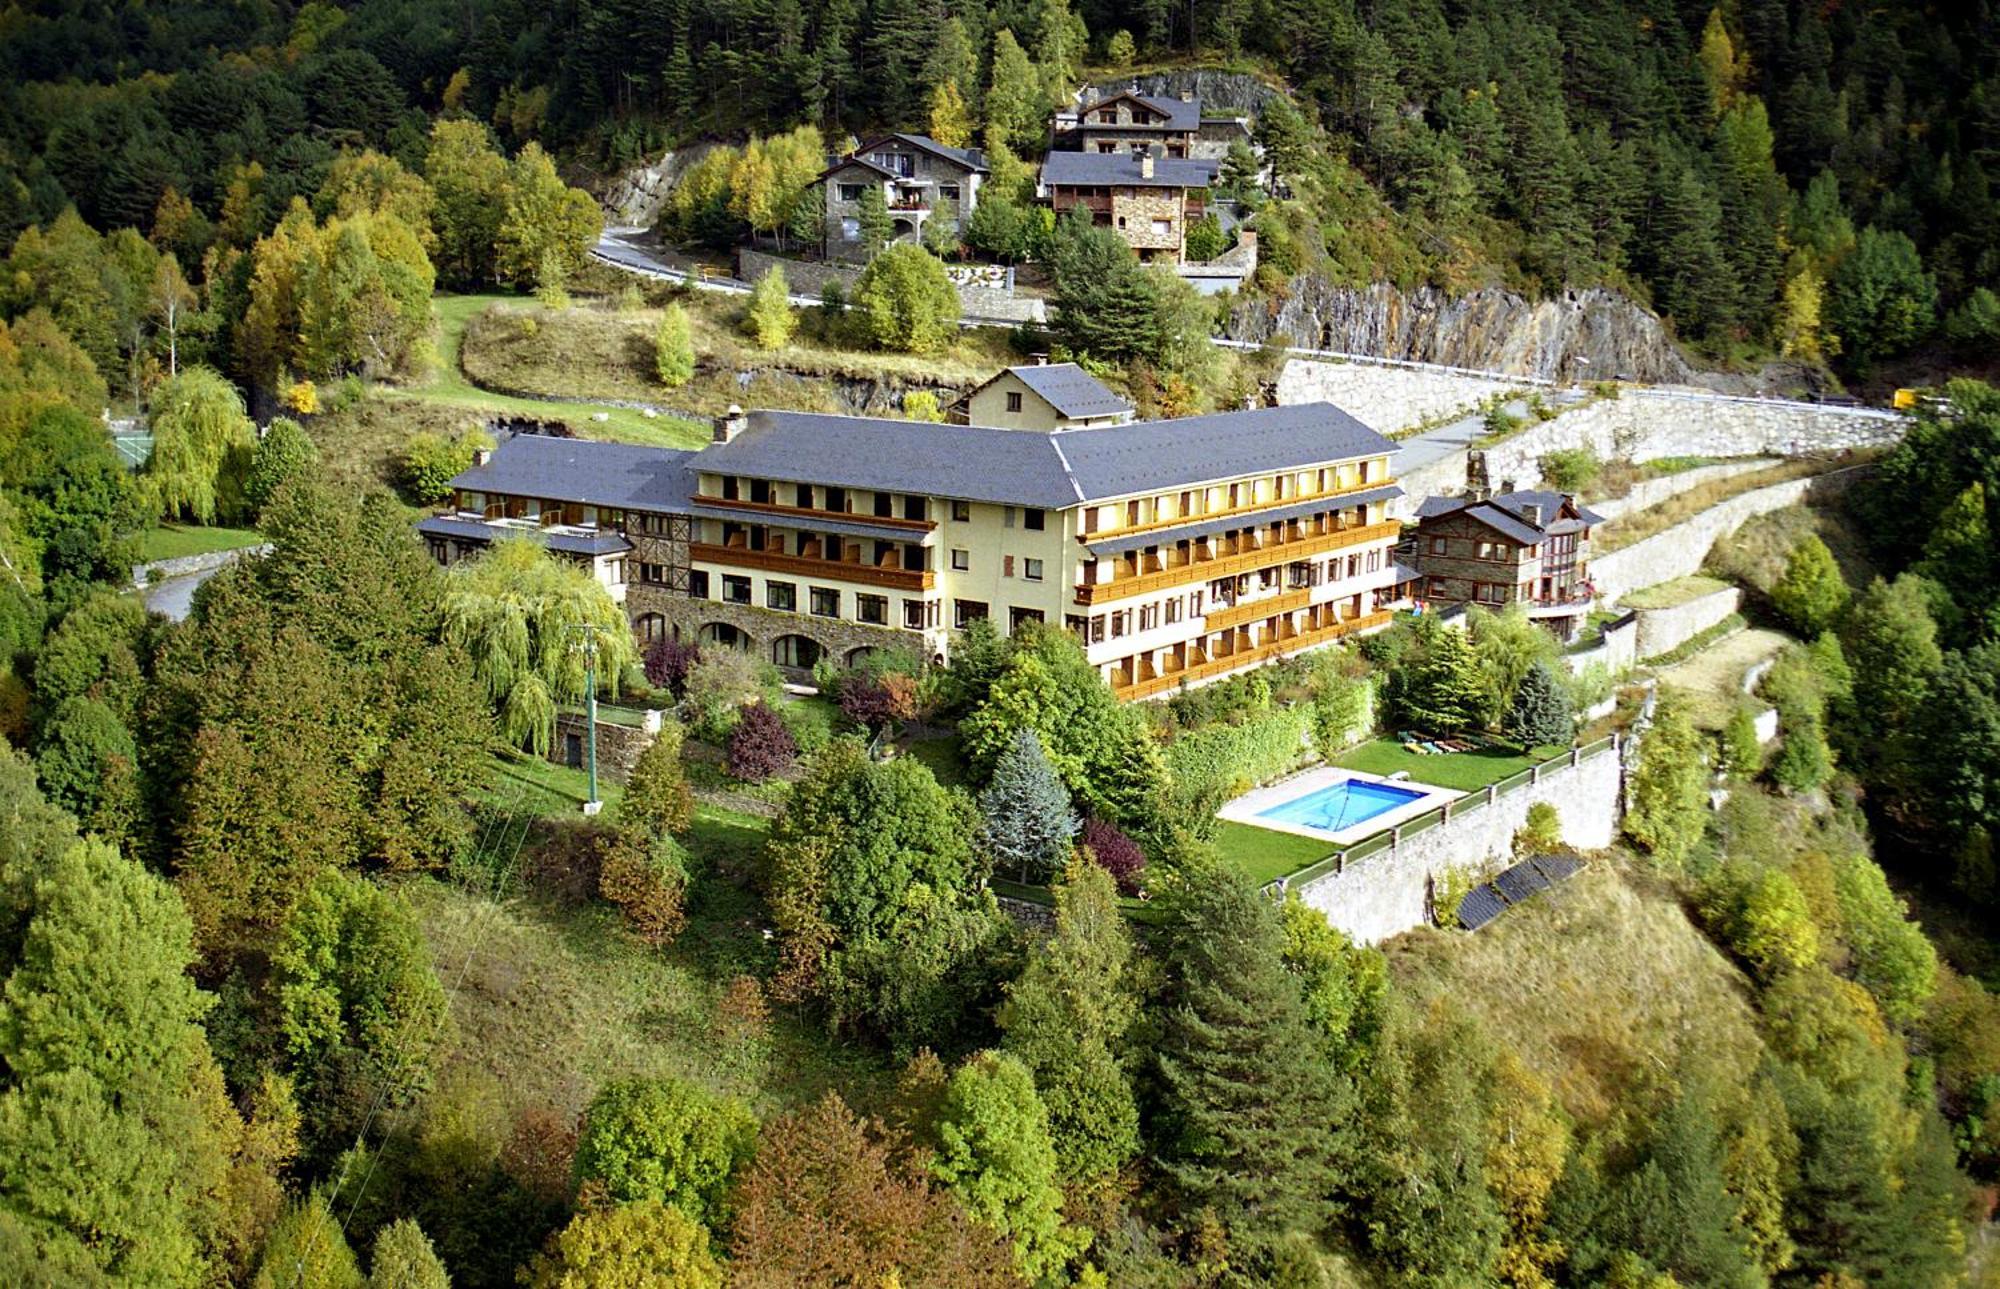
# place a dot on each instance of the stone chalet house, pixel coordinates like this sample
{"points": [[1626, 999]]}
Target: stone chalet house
{"points": [[1049, 396], [920, 179], [1495, 549], [1133, 122], [1150, 199], [1177, 551]]}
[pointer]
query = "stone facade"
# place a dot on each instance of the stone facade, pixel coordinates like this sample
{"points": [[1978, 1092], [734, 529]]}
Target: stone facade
{"points": [[1135, 210], [618, 746], [929, 187], [1390, 891], [1665, 630], [759, 630], [1389, 399], [1683, 548]]}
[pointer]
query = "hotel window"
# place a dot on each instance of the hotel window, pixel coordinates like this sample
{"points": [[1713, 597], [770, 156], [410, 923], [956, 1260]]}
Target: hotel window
{"points": [[916, 508], [735, 590], [825, 602], [914, 613], [1194, 605], [1353, 565], [966, 612], [836, 500], [1034, 520], [1013, 400], [802, 496], [1121, 623], [1374, 560], [653, 574], [698, 584], [1436, 590], [948, 191], [961, 512], [760, 491], [616, 571], [1031, 569], [1492, 592], [1174, 610], [1077, 625], [961, 559], [781, 595], [1097, 629], [1149, 616], [872, 609], [885, 505]]}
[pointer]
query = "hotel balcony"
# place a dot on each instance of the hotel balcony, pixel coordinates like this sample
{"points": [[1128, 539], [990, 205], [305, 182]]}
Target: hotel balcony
{"points": [[1143, 678], [1246, 553]]}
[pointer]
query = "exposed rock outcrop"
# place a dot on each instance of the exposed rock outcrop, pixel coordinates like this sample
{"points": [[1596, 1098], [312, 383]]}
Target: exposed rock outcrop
{"points": [[1593, 334], [1221, 93], [636, 197]]}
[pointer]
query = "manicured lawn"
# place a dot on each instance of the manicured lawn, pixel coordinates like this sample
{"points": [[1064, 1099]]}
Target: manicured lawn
{"points": [[1465, 771], [449, 386], [176, 541], [544, 788], [1263, 854], [943, 758]]}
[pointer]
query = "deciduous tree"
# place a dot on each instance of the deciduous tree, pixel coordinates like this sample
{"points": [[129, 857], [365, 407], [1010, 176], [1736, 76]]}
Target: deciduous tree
{"points": [[673, 348], [994, 1153], [768, 319], [644, 1242], [1811, 593], [906, 302], [664, 1140], [201, 436]]}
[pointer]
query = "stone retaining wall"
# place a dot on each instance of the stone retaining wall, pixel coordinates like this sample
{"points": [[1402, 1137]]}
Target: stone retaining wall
{"points": [[1616, 651], [1388, 399], [1665, 630], [1643, 426], [1682, 549], [1389, 892], [618, 746], [1651, 492], [160, 570], [981, 295]]}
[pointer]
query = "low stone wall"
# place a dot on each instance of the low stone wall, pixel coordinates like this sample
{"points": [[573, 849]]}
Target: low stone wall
{"points": [[160, 570], [1390, 891], [1388, 399], [1665, 630], [1651, 492], [618, 746], [1682, 549], [985, 291], [1616, 650]]}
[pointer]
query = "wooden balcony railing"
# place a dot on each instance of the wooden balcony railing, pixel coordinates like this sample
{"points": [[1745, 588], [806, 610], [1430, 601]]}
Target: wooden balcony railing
{"points": [[1136, 689], [1248, 510], [896, 579], [805, 517], [1254, 610], [1202, 570]]}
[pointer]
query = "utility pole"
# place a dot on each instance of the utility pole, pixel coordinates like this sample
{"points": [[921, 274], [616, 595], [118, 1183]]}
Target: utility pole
{"points": [[589, 629]]}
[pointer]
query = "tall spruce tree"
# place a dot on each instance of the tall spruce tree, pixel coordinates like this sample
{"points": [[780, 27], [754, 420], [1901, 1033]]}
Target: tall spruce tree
{"points": [[1029, 822], [1540, 715], [1252, 1119], [1066, 1019]]}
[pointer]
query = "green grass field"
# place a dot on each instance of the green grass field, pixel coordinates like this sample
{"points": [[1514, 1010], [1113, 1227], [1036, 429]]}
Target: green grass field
{"points": [[176, 541], [1263, 854], [450, 387], [1464, 771]]}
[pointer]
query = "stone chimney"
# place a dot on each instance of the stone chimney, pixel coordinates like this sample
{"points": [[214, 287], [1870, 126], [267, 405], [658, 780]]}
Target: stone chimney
{"points": [[480, 456], [1506, 485], [729, 425], [1476, 488], [1146, 164], [1531, 515]]}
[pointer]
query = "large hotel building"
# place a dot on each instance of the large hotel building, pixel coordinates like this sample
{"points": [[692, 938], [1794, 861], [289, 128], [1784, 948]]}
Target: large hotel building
{"points": [[1177, 551]]}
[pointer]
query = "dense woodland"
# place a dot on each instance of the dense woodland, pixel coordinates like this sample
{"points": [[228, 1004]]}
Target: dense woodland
{"points": [[1774, 177]]}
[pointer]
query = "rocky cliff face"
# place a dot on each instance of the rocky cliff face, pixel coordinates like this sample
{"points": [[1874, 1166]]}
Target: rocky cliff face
{"points": [[1221, 93], [1591, 334], [635, 198]]}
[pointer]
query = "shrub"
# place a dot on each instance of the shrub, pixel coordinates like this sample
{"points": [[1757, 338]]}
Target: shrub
{"points": [[657, 800], [876, 701], [1761, 916], [1120, 50], [768, 321], [430, 461], [668, 663], [906, 301], [761, 744], [665, 1140], [1804, 761], [717, 687], [283, 454], [1205, 239], [1571, 470], [1811, 593], [1742, 754], [1115, 853], [645, 875], [1500, 422], [1892, 958], [922, 405], [1542, 835]]}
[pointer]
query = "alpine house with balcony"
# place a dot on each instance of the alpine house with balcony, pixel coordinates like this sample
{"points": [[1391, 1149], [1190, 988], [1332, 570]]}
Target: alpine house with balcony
{"points": [[1176, 551], [1495, 549], [920, 179]]}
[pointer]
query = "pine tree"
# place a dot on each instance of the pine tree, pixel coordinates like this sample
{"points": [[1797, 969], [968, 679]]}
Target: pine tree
{"points": [[1283, 135], [1441, 691], [876, 226], [1029, 822], [768, 321], [1066, 1018], [673, 348], [1250, 1114], [1540, 715], [404, 1259]]}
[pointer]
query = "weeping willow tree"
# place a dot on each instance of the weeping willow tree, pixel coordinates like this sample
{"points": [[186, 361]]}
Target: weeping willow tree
{"points": [[525, 617]]}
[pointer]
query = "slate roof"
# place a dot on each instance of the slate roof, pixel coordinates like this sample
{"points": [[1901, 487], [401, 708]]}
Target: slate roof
{"points": [[1550, 502], [969, 158], [1071, 390], [620, 476], [851, 526], [1505, 513], [1122, 168], [1222, 524], [1180, 113], [982, 463]]}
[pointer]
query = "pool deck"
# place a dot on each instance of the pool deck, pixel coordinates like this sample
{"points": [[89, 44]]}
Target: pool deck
{"points": [[1244, 809]]}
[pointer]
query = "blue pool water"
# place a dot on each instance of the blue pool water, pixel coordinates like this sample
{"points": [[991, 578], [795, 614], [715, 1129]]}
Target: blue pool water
{"points": [[1340, 805]]}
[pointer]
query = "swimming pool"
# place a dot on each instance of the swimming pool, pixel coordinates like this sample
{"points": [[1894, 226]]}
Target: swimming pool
{"points": [[1340, 806]]}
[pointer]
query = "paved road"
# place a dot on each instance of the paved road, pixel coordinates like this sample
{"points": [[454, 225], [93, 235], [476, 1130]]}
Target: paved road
{"points": [[1420, 450], [174, 596]]}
